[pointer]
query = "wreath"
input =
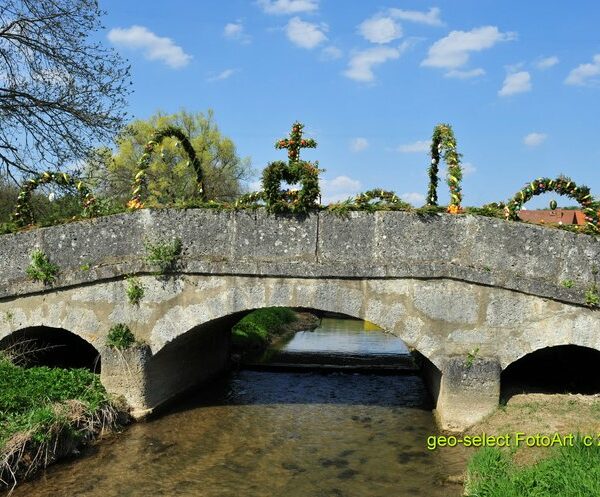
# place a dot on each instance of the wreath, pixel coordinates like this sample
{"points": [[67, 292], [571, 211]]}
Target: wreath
{"points": [[291, 200], [140, 180], [561, 185], [23, 214], [443, 144]]}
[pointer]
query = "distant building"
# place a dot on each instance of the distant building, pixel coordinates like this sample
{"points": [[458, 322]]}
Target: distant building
{"points": [[556, 216]]}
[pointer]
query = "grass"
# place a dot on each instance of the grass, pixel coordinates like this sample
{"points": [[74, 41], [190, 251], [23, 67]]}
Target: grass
{"points": [[592, 298], [41, 269], [254, 331], [135, 291], [568, 472], [120, 337], [164, 255], [45, 412]]}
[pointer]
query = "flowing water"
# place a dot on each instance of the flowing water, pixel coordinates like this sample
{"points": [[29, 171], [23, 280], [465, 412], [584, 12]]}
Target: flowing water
{"points": [[258, 433]]}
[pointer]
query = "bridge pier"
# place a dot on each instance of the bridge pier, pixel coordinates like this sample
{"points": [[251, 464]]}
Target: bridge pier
{"points": [[468, 390]]}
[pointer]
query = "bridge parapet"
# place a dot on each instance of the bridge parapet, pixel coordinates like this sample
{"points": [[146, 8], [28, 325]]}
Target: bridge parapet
{"points": [[492, 252]]}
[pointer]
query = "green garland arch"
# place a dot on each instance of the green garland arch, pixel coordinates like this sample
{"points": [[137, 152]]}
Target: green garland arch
{"points": [[383, 199], [144, 162], [295, 171], [443, 141], [561, 185], [23, 214]]}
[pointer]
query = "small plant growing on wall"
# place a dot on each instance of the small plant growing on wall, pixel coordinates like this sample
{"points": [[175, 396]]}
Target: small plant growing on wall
{"points": [[41, 269], [592, 297], [164, 255], [120, 337], [135, 291]]}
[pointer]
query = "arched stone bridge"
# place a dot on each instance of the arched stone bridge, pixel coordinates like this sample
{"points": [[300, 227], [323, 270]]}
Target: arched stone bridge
{"points": [[470, 294]]}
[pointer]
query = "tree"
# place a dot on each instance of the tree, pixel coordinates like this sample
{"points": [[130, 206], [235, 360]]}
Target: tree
{"points": [[60, 92], [170, 178]]}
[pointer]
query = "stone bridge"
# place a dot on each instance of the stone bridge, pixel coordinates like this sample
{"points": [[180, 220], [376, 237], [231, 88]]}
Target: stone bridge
{"points": [[470, 294]]}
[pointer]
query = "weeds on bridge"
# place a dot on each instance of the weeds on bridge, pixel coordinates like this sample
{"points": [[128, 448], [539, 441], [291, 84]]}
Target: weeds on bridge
{"points": [[164, 255], [135, 291], [120, 337], [41, 269]]}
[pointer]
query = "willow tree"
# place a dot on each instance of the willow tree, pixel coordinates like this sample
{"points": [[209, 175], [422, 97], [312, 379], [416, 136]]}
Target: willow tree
{"points": [[169, 177], [60, 91]]}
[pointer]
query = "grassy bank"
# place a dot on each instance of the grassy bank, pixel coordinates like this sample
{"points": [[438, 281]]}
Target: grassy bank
{"points": [[46, 413], [255, 331], [568, 472]]}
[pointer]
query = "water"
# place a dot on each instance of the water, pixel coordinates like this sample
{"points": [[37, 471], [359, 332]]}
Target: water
{"points": [[257, 433]]}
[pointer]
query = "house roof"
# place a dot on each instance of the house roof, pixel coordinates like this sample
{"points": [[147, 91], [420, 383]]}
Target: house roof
{"points": [[556, 216]]}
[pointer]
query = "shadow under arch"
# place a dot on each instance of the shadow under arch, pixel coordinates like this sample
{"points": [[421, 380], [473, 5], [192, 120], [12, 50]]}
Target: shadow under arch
{"points": [[202, 354], [51, 347], [555, 369]]}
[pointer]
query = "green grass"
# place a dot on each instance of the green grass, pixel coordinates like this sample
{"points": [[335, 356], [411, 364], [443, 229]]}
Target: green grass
{"points": [[120, 337], [569, 472], [41, 269], [164, 255], [27, 397], [254, 331], [135, 291]]}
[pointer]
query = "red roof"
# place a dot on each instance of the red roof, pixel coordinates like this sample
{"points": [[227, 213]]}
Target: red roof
{"points": [[556, 216]]}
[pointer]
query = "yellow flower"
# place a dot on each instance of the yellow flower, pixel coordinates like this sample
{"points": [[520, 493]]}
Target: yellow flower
{"points": [[134, 204]]}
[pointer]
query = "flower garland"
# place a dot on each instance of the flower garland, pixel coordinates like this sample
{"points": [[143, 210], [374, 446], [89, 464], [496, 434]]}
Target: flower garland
{"points": [[295, 171], [561, 185], [23, 214], [443, 141], [384, 199], [140, 179]]}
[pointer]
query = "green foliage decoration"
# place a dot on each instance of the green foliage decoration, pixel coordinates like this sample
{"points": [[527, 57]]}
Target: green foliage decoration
{"points": [[140, 177], [380, 199], [23, 214], [561, 185], [120, 337], [443, 145], [295, 171], [41, 269]]}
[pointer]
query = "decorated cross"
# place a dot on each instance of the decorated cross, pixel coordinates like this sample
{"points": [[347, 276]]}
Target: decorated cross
{"points": [[295, 142]]}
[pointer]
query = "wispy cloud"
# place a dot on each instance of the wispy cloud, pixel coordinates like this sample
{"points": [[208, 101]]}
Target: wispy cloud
{"points": [[305, 34], [418, 146], [331, 53], [519, 82], [458, 74], [585, 74], [547, 62], [535, 139], [359, 144], [283, 7], [152, 46], [339, 188], [380, 29], [235, 31], [431, 17], [468, 169], [453, 51], [226, 74], [360, 66], [413, 198]]}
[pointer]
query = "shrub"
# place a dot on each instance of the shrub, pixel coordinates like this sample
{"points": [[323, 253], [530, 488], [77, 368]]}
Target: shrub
{"points": [[41, 269], [254, 331], [120, 337]]}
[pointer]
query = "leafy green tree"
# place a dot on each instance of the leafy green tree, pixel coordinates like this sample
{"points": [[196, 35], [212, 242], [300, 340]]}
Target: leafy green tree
{"points": [[170, 178]]}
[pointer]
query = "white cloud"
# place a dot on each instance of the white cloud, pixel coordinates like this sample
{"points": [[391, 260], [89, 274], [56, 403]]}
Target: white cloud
{"points": [[458, 74], [534, 139], [519, 82], [418, 146], [227, 73], [468, 169], [380, 30], [547, 62], [360, 66], [432, 17], [339, 188], [359, 144], [278, 7], [331, 53], [585, 73], [453, 51], [154, 47], [413, 198], [235, 31], [305, 34]]}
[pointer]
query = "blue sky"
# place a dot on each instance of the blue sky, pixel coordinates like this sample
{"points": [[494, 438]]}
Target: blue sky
{"points": [[518, 80]]}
